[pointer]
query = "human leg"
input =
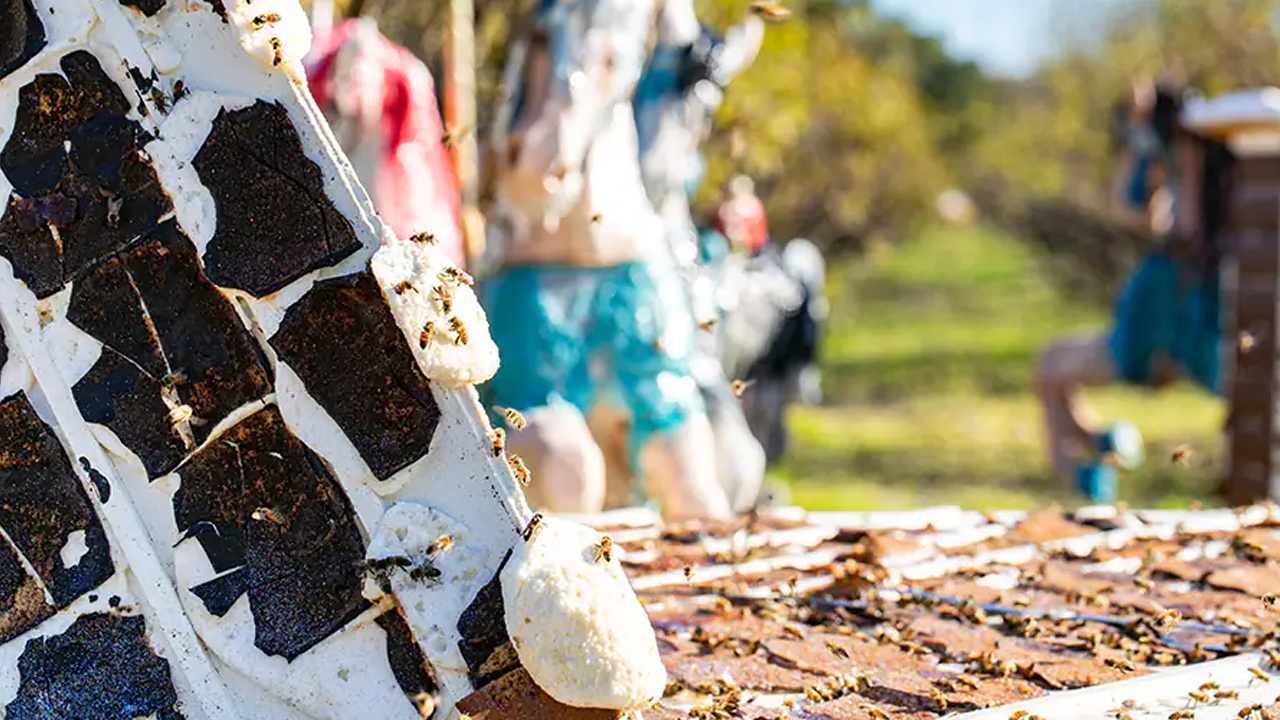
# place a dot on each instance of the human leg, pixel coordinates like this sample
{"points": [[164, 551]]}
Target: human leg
{"points": [[566, 464], [672, 440], [1065, 367]]}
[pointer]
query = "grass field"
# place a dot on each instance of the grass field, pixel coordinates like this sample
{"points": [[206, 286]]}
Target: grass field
{"points": [[927, 370]]}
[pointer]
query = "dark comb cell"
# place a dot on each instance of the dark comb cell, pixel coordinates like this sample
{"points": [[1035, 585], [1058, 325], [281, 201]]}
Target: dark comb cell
{"points": [[146, 7], [153, 305], [118, 395], [275, 223], [21, 34], [22, 602], [409, 665], [76, 164], [483, 627], [42, 503], [100, 668], [220, 593], [343, 342], [302, 549]]}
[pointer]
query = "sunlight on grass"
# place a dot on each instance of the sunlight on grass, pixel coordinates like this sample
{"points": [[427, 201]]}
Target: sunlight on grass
{"points": [[928, 368]]}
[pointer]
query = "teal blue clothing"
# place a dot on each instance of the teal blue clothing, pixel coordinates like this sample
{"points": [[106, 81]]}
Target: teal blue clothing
{"points": [[1171, 310], [580, 335]]}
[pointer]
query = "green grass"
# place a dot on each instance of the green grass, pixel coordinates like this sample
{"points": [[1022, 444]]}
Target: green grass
{"points": [[927, 370]]}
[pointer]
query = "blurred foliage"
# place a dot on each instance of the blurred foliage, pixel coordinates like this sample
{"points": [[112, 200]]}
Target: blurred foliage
{"points": [[852, 124]]}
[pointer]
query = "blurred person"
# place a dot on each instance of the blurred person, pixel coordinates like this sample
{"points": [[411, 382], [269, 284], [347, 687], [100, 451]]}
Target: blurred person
{"points": [[1144, 134], [380, 101], [684, 82], [574, 305], [741, 216], [1166, 327]]}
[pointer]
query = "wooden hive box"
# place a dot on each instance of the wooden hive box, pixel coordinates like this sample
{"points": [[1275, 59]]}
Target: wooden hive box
{"points": [[1249, 122]]}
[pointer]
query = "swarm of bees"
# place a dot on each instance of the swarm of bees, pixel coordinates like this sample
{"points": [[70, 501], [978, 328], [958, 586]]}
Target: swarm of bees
{"points": [[837, 687]]}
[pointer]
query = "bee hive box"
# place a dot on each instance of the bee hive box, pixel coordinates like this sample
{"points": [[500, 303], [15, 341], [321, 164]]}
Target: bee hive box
{"points": [[1103, 613], [243, 471], [1249, 123]]}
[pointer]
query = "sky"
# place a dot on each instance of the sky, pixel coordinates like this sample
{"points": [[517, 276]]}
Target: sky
{"points": [[1006, 37]]}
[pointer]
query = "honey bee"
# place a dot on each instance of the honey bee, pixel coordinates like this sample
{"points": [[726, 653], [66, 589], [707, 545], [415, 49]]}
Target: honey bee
{"points": [[604, 550], [535, 524], [1259, 674], [499, 441], [181, 414], [939, 700], [456, 276], [1182, 455], [1250, 711], [597, 218], [424, 571], [263, 514], [1144, 583], [519, 469], [1226, 695], [266, 19], [441, 544], [1199, 696], [403, 287], [876, 712], [113, 211], [1019, 715], [428, 331], [1270, 599], [441, 296], [423, 238], [793, 631], [771, 11], [707, 324], [179, 91], [688, 573], [277, 54], [459, 330], [1169, 618], [737, 387], [837, 650], [1181, 715], [1120, 664], [514, 419], [1247, 342], [451, 137], [1211, 685]]}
